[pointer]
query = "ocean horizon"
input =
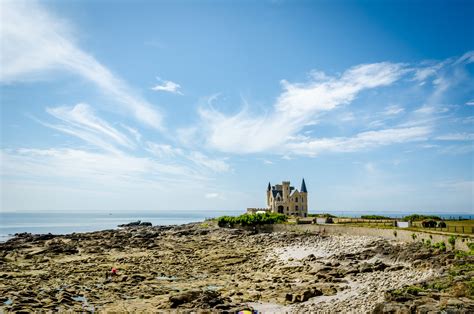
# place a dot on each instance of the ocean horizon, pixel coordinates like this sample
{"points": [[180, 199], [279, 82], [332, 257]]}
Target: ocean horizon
{"points": [[70, 222]]}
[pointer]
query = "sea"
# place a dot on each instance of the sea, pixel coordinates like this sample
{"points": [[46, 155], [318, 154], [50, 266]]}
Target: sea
{"points": [[69, 222]]}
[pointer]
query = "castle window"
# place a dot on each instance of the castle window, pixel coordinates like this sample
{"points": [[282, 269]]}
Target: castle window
{"points": [[296, 200], [296, 207]]}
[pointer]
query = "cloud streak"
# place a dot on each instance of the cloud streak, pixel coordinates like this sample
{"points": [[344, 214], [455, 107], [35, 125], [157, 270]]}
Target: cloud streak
{"points": [[200, 160], [112, 158], [302, 107], [299, 105], [168, 86], [81, 121], [35, 42], [361, 141], [79, 165], [456, 137]]}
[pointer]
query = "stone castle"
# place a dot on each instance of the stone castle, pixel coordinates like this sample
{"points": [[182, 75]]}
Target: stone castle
{"points": [[285, 199]]}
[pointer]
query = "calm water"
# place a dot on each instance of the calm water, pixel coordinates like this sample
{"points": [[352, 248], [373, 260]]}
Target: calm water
{"points": [[62, 223]]}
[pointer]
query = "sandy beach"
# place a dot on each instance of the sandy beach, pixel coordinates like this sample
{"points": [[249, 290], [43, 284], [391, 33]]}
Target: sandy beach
{"points": [[203, 267]]}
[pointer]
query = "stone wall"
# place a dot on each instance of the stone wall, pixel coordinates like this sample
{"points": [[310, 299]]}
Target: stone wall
{"points": [[400, 235]]}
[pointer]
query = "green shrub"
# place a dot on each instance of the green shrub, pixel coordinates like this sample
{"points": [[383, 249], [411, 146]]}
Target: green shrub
{"points": [[413, 236], [452, 241], [438, 285], [251, 219], [461, 254], [416, 217], [395, 233], [440, 245], [414, 290], [428, 242], [374, 217]]}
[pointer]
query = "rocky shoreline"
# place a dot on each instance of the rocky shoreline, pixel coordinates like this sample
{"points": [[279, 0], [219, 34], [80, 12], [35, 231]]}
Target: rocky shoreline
{"points": [[203, 267]]}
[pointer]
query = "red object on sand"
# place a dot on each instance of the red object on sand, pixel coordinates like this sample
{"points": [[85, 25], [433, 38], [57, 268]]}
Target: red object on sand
{"points": [[114, 271]]}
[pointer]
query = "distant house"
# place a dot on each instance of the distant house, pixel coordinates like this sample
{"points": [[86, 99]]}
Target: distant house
{"points": [[403, 224], [285, 199]]}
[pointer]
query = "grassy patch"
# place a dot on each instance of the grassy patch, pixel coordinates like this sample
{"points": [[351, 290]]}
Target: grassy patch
{"points": [[413, 290]]}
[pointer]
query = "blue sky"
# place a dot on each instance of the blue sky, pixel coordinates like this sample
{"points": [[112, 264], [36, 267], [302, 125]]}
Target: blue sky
{"points": [[196, 105]]}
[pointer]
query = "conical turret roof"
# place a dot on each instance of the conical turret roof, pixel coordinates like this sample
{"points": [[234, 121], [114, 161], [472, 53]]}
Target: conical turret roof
{"points": [[303, 187]]}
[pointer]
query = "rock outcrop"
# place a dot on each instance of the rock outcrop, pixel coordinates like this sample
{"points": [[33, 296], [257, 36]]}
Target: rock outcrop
{"points": [[202, 267]]}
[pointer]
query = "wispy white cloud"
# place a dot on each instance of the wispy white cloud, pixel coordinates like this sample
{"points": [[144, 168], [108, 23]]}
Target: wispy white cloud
{"points": [[76, 164], [106, 159], [466, 58], [423, 73], [376, 124], [214, 164], [167, 86], [430, 109], [361, 141], [470, 103], [134, 132], [303, 104], [393, 110], [297, 106], [163, 150], [36, 42], [299, 100], [198, 159], [81, 121], [456, 137]]}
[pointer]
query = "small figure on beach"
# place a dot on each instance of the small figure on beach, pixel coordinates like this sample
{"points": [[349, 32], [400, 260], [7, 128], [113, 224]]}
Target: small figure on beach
{"points": [[110, 274]]}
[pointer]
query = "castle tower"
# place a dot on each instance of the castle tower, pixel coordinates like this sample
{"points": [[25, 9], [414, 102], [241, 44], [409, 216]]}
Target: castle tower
{"points": [[269, 191], [304, 196], [286, 190]]}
